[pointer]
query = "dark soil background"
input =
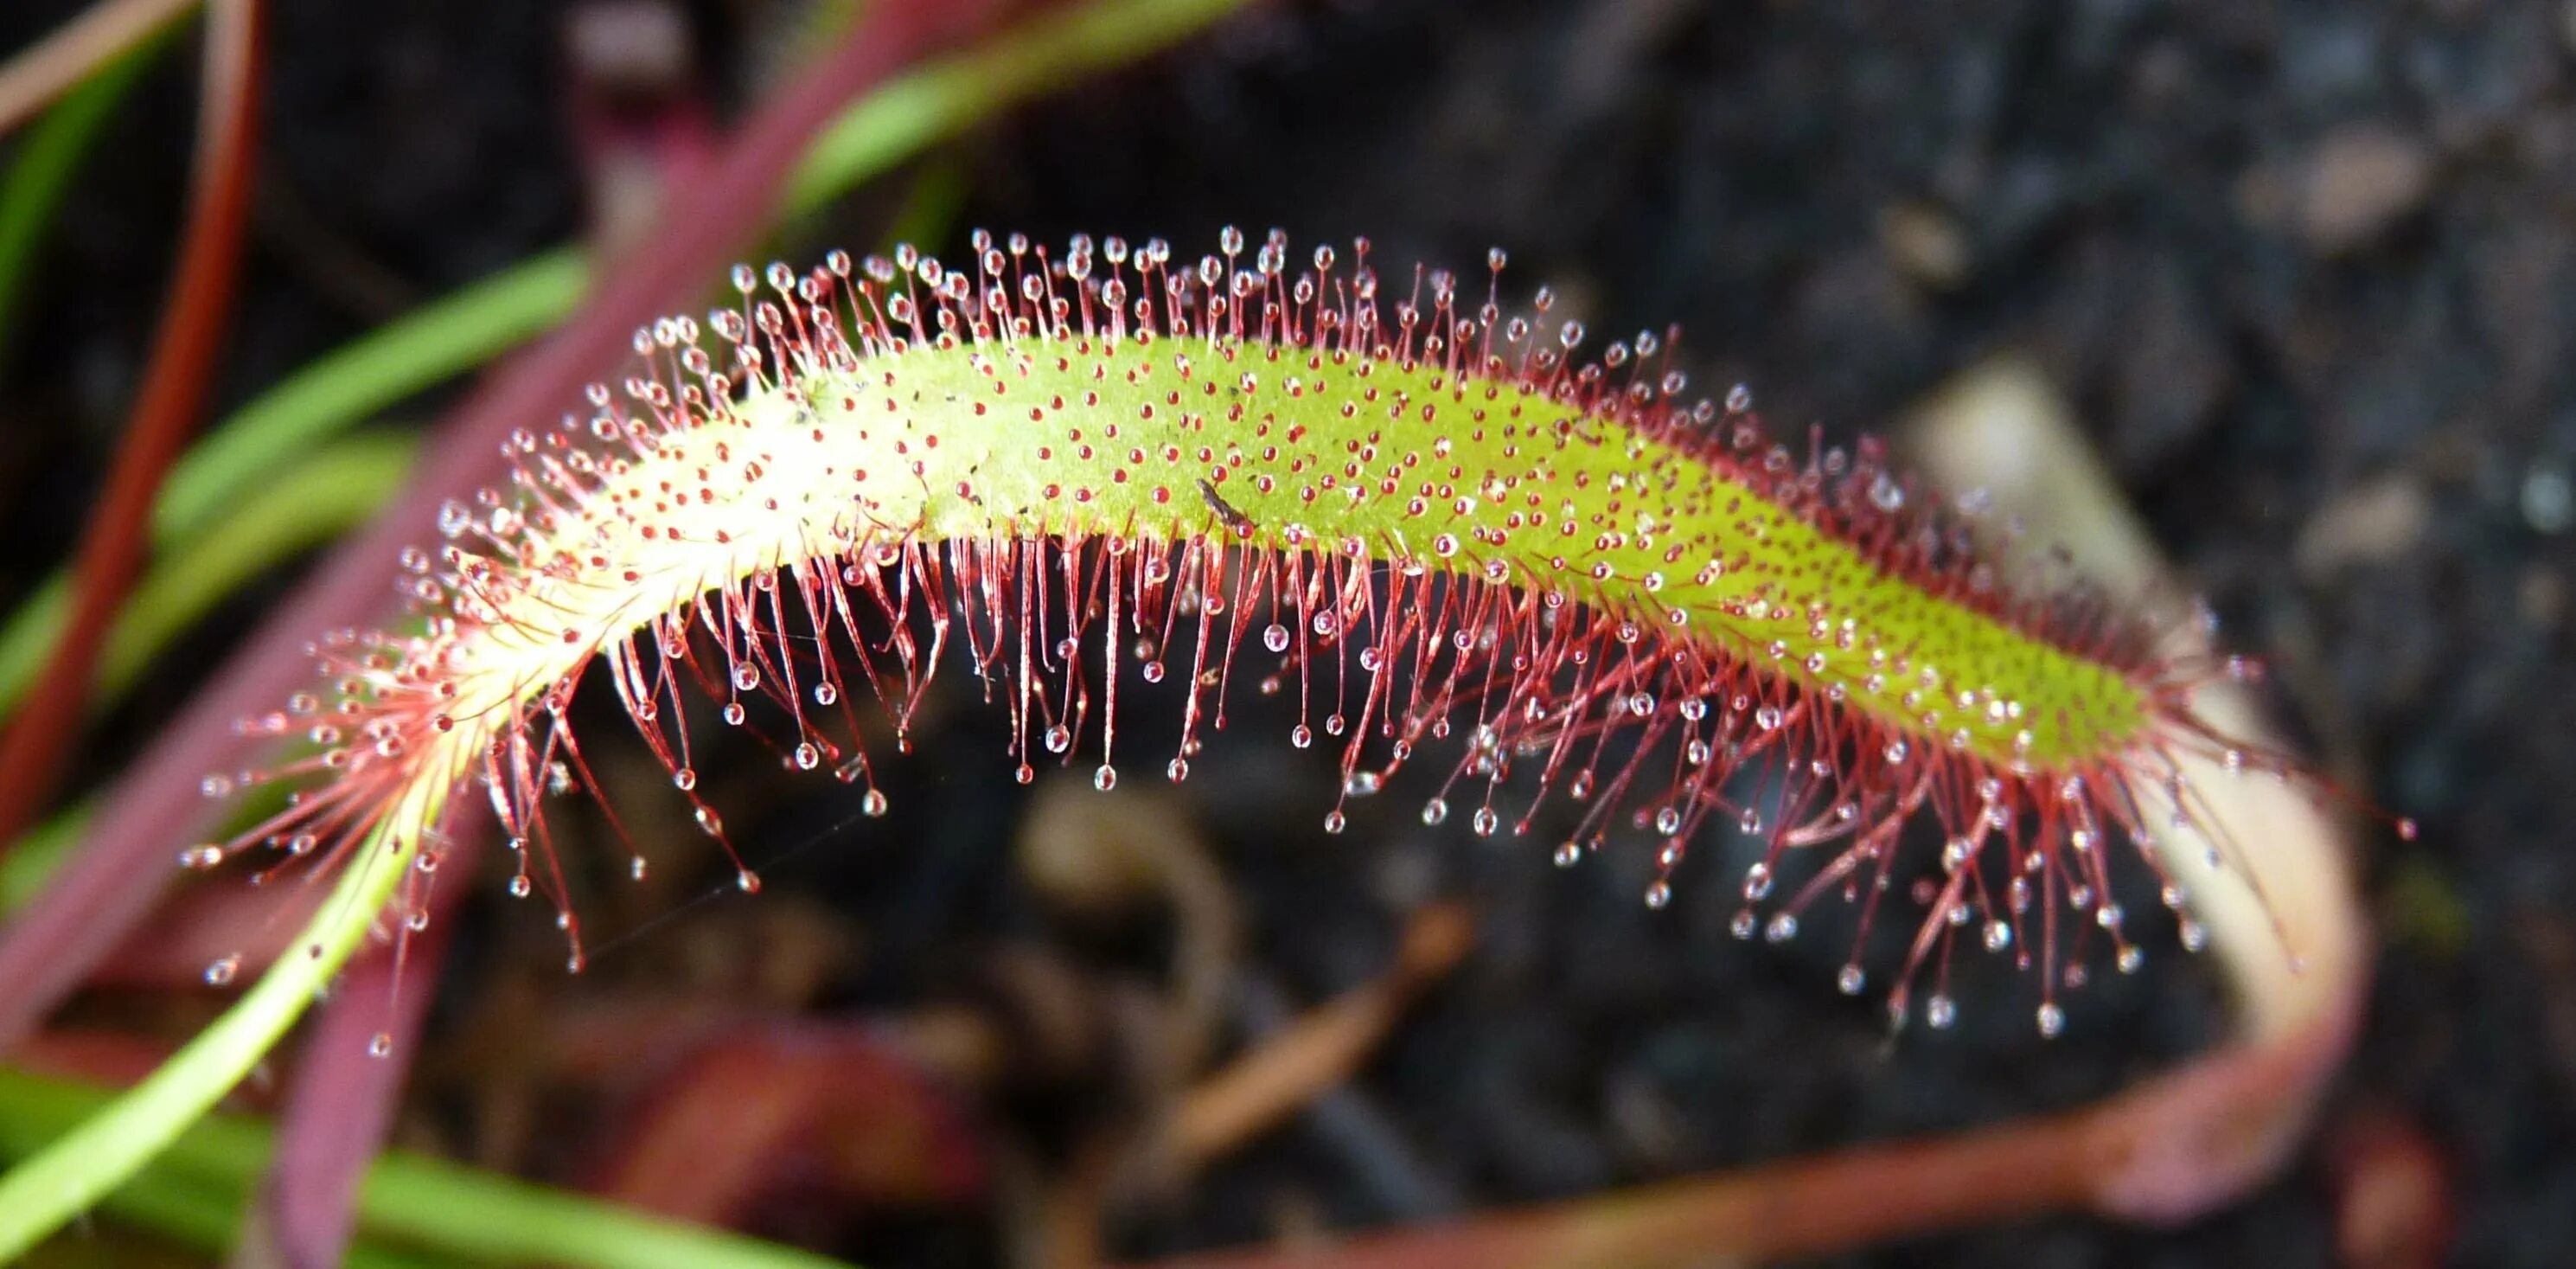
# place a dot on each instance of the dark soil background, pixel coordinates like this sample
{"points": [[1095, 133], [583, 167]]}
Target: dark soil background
{"points": [[2306, 270]]}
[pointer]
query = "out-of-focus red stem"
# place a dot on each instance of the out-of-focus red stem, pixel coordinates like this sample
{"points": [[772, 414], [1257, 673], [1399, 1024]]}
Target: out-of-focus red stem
{"points": [[2086, 1160], [1798, 1207], [35, 749], [120, 870]]}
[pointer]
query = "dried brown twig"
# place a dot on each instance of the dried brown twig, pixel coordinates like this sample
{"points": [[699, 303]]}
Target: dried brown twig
{"points": [[1321, 1049]]}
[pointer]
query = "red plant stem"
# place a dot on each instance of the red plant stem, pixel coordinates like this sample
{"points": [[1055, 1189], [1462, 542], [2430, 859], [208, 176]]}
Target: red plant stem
{"points": [[2085, 1160], [119, 873], [1795, 1207], [34, 752]]}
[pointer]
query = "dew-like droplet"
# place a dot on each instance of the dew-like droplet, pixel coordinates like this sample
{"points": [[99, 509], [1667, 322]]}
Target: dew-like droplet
{"points": [[1568, 854], [808, 757], [1941, 1011], [220, 972], [1105, 779], [380, 1045], [1485, 821], [1275, 637], [873, 804], [2052, 1020], [1301, 735], [1334, 821], [1435, 811], [1659, 894], [1360, 784]]}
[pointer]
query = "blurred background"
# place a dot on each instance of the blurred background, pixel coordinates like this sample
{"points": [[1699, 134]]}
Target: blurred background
{"points": [[2304, 272]]}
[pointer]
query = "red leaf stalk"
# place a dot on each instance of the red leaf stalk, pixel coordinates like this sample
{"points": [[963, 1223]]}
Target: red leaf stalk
{"points": [[33, 753]]}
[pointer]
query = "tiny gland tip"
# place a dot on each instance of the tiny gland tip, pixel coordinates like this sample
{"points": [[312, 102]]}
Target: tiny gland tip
{"points": [[1411, 514]]}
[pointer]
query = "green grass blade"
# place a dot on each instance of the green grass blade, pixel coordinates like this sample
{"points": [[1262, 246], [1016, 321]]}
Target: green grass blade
{"points": [[31, 863], [74, 1172], [411, 1200], [441, 340], [945, 97], [469, 327], [306, 506], [47, 158], [209, 1218]]}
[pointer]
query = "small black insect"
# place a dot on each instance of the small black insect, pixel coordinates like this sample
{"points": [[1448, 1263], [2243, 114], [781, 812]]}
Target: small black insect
{"points": [[1224, 510]]}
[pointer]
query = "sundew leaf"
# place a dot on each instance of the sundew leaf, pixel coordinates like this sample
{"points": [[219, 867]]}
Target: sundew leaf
{"points": [[1432, 524]]}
